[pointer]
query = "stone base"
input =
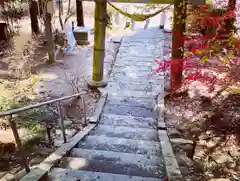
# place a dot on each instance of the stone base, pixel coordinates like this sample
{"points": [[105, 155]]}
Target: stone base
{"points": [[96, 84]]}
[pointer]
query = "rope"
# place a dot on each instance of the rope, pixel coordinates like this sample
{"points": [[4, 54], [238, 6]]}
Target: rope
{"points": [[139, 17]]}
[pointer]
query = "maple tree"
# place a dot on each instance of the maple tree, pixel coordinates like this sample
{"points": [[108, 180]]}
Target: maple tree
{"points": [[212, 50]]}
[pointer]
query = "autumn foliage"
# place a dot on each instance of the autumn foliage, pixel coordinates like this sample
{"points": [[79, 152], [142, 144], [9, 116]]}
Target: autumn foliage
{"points": [[209, 57]]}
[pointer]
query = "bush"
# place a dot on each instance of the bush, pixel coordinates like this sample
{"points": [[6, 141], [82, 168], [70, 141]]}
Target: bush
{"points": [[12, 11], [6, 104]]}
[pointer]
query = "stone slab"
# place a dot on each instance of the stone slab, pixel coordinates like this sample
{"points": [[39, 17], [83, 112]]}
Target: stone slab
{"points": [[130, 93], [118, 157], [125, 79], [129, 121], [129, 110], [133, 68], [130, 101], [121, 145], [125, 132], [172, 168], [99, 108], [104, 166], [134, 61], [134, 87], [59, 174], [141, 78]]}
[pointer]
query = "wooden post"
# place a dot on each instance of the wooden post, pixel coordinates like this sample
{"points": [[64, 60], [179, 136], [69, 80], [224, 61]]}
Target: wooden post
{"points": [[79, 9], [48, 32], [178, 43], [99, 44]]}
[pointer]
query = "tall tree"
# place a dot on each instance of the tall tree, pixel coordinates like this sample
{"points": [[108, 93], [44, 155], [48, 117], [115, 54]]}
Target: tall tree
{"points": [[33, 10], [48, 11], [79, 7]]}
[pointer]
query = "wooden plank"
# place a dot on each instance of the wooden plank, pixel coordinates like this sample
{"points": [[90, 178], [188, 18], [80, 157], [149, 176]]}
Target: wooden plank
{"points": [[140, 1]]}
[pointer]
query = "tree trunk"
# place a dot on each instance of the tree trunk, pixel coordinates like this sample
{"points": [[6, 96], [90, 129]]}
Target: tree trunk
{"points": [[49, 37], [230, 22], [79, 8], [33, 9], [40, 7], [60, 13], [180, 7]]}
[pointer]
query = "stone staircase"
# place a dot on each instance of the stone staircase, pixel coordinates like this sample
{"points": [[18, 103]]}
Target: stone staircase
{"points": [[117, 149], [124, 146]]}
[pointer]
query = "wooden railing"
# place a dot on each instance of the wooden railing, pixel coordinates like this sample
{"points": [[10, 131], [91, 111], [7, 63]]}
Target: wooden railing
{"points": [[16, 111]]}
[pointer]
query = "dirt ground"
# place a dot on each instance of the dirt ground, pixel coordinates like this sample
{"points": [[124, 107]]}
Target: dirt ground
{"points": [[203, 123], [26, 78]]}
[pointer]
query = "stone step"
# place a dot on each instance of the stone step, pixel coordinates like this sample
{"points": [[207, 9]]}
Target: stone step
{"points": [[121, 145], [134, 61], [138, 78], [117, 157], [115, 162], [132, 68], [129, 121], [130, 93], [124, 109], [125, 79], [131, 101], [60, 174], [126, 132], [133, 87], [138, 75]]}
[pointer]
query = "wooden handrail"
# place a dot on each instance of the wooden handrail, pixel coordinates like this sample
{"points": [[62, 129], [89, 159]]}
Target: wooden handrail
{"points": [[15, 111]]}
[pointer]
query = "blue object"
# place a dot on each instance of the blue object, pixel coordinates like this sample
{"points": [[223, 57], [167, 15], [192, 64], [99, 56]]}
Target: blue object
{"points": [[70, 37]]}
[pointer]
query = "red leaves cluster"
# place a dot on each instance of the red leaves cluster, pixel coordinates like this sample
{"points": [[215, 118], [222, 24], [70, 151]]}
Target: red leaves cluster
{"points": [[191, 63]]}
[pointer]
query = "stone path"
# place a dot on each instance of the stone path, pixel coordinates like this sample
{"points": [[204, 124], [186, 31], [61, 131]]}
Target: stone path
{"points": [[125, 145]]}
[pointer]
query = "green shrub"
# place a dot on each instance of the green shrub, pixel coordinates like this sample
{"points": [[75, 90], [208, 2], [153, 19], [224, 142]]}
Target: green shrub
{"points": [[7, 104]]}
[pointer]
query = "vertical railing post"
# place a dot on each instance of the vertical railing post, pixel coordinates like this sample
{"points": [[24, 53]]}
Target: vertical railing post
{"points": [[19, 144], [84, 110], [62, 122]]}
